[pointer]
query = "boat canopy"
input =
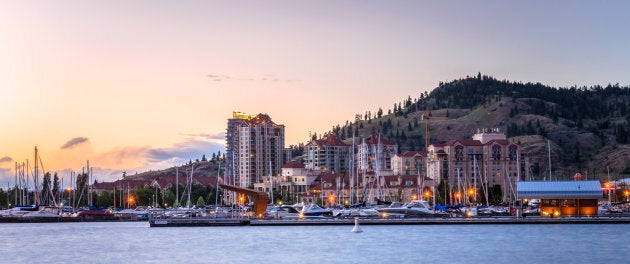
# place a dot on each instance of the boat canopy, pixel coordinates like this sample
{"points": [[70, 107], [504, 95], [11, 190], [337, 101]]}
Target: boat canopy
{"points": [[559, 190]]}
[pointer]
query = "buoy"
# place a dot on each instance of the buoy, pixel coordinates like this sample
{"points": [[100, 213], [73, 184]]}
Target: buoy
{"points": [[356, 228]]}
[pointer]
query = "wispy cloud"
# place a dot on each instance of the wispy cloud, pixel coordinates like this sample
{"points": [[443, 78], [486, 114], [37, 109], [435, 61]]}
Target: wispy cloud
{"points": [[109, 165], [184, 151], [74, 142], [6, 159], [210, 136], [263, 78]]}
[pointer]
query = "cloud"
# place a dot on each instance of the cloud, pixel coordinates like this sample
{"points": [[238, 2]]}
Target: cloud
{"points": [[264, 78], [184, 151], [112, 163], [6, 176], [209, 136], [6, 159], [74, 142]]}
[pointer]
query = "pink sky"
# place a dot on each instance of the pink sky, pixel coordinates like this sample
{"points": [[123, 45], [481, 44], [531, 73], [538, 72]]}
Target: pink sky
{"points": [[149, 84]]}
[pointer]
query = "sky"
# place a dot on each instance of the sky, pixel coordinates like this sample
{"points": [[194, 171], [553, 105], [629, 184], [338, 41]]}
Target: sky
{"points": [[144, 85]]}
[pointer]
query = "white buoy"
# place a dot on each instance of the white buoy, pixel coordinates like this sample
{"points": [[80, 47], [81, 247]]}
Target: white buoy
{"points": [[356, 228]]}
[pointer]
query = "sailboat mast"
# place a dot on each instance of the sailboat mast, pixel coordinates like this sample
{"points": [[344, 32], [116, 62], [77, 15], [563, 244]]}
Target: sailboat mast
{"points": [[176, 186], [270, 182], [549, 157], [15, 193], [216, 190]]}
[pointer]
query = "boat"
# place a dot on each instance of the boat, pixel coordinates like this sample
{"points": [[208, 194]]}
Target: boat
{"points": [[45, 212], [314, 210], [415, 208], [97, 214], [282, 212]]}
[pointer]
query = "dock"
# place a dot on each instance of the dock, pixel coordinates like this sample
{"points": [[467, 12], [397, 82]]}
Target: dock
{"points": [[203, 221]]}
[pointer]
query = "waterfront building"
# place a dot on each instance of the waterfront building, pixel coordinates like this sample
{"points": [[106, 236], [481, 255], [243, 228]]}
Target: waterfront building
{"points": [[563, 198], [409, 162], [375, 153], [470, 166], [335, 189], [328, 154], [254, 148]]}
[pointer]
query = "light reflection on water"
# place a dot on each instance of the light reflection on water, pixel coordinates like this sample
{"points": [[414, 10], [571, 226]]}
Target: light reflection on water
{"points": [[136, 242]]}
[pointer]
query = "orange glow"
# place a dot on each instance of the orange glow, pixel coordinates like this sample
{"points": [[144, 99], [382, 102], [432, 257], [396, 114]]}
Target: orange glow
{"points": [[130, 200], [471, 191], [427, 194], [415, 197], [457, 195]]}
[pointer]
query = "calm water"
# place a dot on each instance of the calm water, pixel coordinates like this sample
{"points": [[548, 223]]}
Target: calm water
{"points": [[136, 242]]}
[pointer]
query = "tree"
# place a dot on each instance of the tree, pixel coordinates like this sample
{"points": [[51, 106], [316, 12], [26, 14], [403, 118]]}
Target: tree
{"points": [[46, 190], [379, 114], [203, 158], [81, 186], [55, 188], [200, 202]]}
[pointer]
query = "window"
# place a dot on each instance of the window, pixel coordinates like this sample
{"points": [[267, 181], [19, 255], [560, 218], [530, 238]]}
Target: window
{"points": [[512, 153], [408, 183], [459, 153], [496, 153], [393, 183]]}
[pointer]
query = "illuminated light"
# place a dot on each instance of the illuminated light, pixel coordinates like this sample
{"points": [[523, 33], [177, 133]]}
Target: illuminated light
{"points": [[415, 197], [556, 213], [427, 194], [384, 215], [471, 191], [280, 202], [301, 215], [469, 214], [457, 195]]}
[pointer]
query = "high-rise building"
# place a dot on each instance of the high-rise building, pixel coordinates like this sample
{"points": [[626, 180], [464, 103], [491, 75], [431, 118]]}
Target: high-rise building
{"points": [[255, 146]]}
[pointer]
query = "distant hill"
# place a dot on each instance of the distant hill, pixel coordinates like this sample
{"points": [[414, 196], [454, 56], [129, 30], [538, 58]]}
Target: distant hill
{"points": [[587, 127], [198, 168]]}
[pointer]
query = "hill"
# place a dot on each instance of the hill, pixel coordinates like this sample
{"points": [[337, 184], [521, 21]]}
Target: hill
{"points": [[586, 127]]}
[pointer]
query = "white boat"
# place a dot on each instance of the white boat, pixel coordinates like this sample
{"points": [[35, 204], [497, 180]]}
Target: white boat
{"points": [[282, 212], [315, 210], [44, 212], [415, 208], [357, 212]]}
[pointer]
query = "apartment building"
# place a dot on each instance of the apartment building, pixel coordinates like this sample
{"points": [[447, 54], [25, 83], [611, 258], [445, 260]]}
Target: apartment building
{"points": [[254, 148]]}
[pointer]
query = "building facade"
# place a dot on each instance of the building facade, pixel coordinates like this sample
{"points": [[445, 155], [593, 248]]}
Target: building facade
{"points": [[254, 148], [471, 167], [375, 153], [328, 154], [409, 162]]}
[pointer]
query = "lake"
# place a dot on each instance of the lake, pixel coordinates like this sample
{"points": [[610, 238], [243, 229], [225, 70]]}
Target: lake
{"points": [[136, 242]]}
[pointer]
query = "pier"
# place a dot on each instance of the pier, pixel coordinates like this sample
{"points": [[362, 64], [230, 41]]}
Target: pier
{"points": [[203, 221]]}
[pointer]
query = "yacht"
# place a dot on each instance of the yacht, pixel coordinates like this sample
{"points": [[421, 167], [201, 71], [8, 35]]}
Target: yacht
{"points": [[415, 208], [315, 210], [282, 212]]}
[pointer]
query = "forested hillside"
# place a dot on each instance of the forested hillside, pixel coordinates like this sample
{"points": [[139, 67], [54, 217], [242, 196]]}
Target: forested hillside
{"points": [[587, 127]]}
